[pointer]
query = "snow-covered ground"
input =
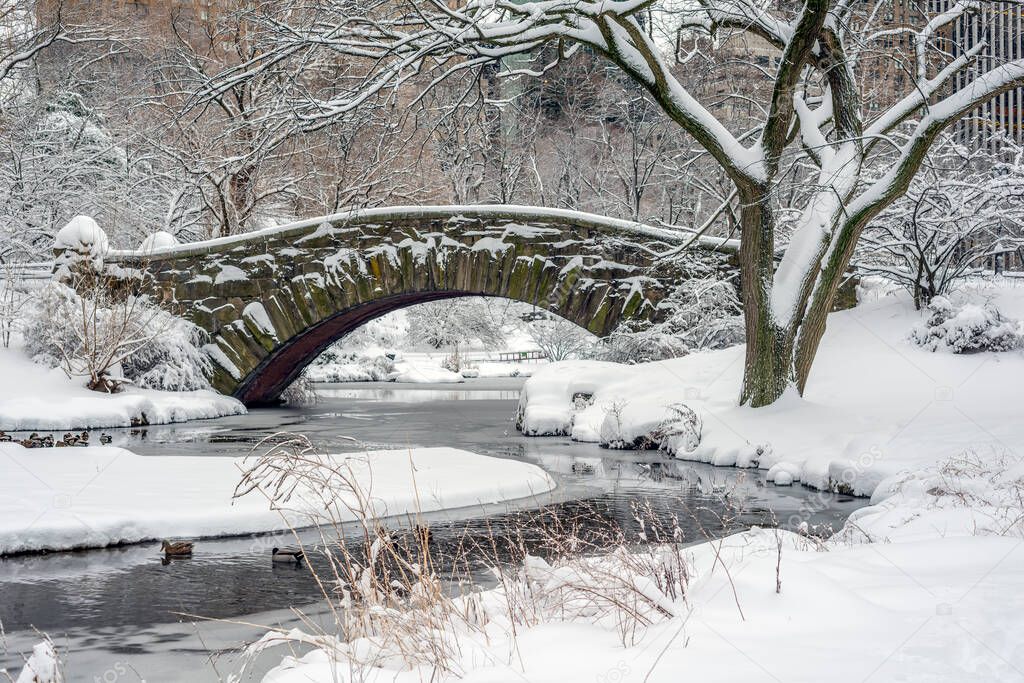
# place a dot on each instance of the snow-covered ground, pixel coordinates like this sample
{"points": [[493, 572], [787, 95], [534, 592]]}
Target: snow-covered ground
{"points": [[39, 398], [935, 610], [61, 498], [875, 406]]}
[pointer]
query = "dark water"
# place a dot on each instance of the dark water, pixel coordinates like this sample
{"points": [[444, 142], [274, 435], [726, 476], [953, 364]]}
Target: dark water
{"points": [[124, 602]]}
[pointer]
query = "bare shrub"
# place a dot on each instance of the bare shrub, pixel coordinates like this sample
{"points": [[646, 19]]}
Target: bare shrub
{"points": [[301, 392], [89, 334], [399, 598]]}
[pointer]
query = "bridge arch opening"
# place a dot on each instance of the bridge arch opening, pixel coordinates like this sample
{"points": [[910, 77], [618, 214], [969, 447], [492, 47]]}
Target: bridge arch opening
{"points": [[265, 384]]}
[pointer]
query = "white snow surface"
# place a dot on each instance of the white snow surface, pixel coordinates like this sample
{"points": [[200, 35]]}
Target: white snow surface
{"points": [[923, 585], [41, 398], [62, 498], [875, 406]]}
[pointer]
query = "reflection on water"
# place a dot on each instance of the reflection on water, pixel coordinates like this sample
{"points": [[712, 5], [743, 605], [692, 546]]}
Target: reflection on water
{"points": [[127, 592]]}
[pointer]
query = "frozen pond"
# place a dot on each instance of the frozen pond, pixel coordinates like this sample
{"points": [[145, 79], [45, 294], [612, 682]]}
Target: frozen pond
{"points": [[122, 607]]}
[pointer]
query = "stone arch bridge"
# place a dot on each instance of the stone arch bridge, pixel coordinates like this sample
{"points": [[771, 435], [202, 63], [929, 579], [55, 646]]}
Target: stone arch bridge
{"points": [[272, 300]]}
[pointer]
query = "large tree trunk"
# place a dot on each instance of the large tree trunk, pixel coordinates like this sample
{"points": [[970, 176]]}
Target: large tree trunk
{"points": [[769, 368]]}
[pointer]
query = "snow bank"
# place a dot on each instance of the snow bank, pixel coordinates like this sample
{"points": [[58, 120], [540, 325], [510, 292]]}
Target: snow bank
{"points": [[876, 405], [974, 494], [925, 584], [911, 611], [40, 398], [62, 498]]}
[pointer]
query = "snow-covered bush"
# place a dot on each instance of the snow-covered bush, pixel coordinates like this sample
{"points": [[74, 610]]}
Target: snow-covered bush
{"points": [[337, 364], [453, 361], [172, 361], [612, 431], [965, 328], [91, 336], [300, 392], [701, 314], [682, 431]]}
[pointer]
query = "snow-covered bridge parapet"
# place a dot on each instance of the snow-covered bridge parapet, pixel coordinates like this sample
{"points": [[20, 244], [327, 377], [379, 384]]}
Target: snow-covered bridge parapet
{"points": [[272, 300]]}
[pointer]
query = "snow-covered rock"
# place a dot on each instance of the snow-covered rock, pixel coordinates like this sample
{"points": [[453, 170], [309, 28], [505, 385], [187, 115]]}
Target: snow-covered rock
{"points": [[784, 473], [783, 478]]}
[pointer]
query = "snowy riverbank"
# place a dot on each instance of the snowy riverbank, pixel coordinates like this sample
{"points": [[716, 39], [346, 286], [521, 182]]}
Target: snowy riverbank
{"points": [[57, 499], [939, 600], [937, 610], [37, 398], [876, 406]]}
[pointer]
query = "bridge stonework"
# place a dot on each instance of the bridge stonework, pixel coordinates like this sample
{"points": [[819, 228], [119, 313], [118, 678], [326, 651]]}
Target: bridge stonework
{"points": [[272, 301]]}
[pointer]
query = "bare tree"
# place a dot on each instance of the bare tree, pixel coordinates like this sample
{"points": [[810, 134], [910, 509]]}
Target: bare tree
{"points": [[815, 114], [560, 339]]}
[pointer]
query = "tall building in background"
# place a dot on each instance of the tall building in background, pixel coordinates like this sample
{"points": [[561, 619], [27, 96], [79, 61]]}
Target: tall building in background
{"points": [[1001, 25]]}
